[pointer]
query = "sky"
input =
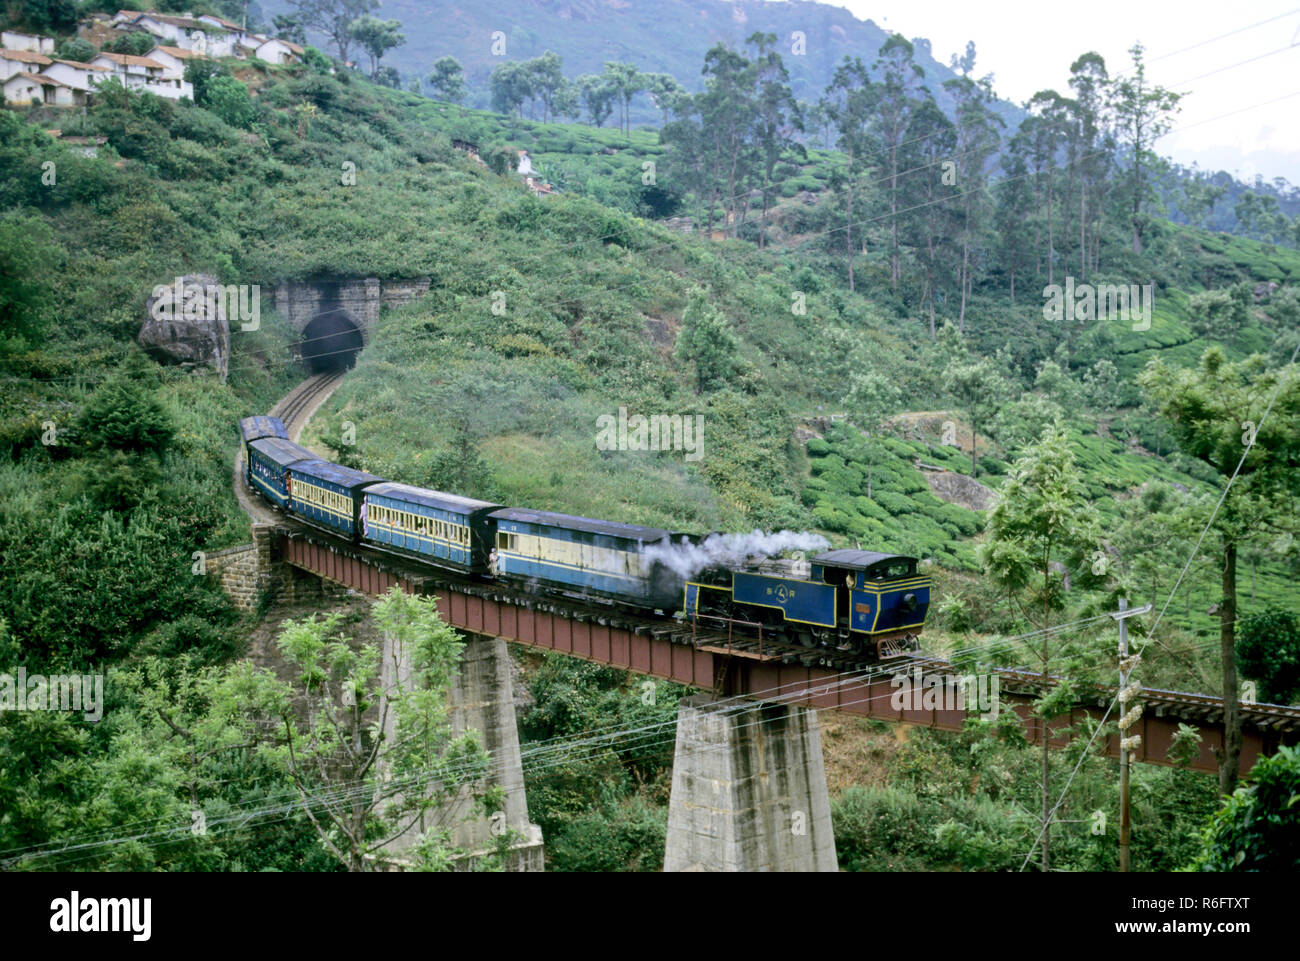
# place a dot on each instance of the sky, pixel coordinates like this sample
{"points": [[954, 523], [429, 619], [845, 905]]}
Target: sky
{"points": [[1028, 45]]}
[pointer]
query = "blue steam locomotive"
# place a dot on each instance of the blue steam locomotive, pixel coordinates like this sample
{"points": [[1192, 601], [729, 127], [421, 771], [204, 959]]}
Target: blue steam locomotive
{"points": [[851, 600]]}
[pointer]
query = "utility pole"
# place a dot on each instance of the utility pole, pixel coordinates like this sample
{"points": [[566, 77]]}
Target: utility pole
{"points": [[1128, 717]]}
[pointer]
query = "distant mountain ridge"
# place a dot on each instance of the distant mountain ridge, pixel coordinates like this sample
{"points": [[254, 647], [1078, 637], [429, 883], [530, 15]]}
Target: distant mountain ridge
{"points": [[659, 36]]}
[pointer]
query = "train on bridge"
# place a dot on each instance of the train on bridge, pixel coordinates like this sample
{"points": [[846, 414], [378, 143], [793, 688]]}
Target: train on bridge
{"points": [[870, 603]]}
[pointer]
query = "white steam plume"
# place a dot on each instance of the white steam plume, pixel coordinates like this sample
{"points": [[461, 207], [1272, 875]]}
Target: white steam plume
{"points": [[730, 550]]}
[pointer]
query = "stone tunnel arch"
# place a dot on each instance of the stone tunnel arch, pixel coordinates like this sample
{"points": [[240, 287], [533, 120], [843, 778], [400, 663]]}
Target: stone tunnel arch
{"points": [[331, 341]]}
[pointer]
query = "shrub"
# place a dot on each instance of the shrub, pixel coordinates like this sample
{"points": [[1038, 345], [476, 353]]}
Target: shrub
{"points": [[817, 447], [870, 508], [882, 829], [136, 43], [74, 48], [1257, 828], [894, 503], [1268, 650], [228, 99]]}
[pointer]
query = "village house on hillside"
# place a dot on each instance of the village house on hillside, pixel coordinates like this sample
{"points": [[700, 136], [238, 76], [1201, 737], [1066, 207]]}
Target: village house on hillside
{"points": [[279, 51], [12, 40], [41, 79], [207, 34], [144, 73], [32, 88], [81, 76], [21, 61], [173, 59]]}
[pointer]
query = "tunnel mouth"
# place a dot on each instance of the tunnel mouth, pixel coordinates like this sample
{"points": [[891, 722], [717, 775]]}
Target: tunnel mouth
{"points": [[331, 342]]}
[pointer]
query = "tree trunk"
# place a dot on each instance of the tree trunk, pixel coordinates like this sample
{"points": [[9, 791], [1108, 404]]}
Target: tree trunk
{"points": [[848, 225], [1231, 754], [965, 266], [1083, 230], [1046, 758], [1051, 243], [895, 271]]}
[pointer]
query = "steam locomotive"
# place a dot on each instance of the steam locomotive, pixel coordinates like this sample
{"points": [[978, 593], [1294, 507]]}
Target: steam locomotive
{"points": [[852, 600]]}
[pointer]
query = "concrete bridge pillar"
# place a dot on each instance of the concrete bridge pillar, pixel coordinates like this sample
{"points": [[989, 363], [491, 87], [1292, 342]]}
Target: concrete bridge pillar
{"points": [[482, 699], [749, 789]]}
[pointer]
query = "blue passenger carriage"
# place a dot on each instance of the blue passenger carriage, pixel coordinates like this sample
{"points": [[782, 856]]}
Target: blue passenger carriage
{"points": [[445, 529], [584, 556], [262, 425], [328, 495], [267, 461]]}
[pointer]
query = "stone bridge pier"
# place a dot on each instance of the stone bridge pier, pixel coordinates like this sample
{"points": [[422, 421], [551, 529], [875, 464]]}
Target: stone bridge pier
{"points": [[481, 699], [749, 789]]}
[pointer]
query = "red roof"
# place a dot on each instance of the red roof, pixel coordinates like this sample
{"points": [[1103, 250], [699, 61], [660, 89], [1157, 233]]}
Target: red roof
{"points": [[25, 56], [44, 81], [127, 59], [81, 66], [180, 54], [224, 22]]}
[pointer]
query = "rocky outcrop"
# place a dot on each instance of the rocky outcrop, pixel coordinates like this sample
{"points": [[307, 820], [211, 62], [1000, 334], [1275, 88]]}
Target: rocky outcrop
{"points": [[1265, 290], [185, 323], [959, 489]]}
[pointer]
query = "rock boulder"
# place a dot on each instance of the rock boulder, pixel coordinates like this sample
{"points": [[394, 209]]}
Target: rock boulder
{"points": [[185, 323]]}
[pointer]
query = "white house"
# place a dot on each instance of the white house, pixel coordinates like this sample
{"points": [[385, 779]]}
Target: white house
{"points": [[32, 89], [174, 59], [82, 76], [21, 61], [279, 51], [125, 17], [144, 73], [187, 33], [12, 40], [247, 47], [238, 35]]}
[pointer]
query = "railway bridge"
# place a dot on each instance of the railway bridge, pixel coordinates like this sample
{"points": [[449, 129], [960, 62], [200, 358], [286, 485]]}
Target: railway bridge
{"points": [[749, 789]]}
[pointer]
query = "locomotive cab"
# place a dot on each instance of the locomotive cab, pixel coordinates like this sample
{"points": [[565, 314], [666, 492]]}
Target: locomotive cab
{"points": [[880, 600]]}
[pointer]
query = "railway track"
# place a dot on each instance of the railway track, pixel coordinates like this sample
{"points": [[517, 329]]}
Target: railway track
{"points": [[1184, 705], [297, 406], [294, 409]]}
